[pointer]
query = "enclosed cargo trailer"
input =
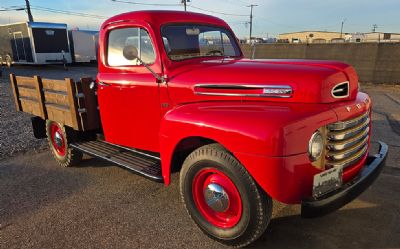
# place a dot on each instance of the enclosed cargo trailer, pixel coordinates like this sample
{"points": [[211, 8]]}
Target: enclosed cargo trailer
{"points": [[84, 45], [34, 43]]}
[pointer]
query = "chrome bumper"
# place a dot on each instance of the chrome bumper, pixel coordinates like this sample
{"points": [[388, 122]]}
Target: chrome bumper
{"points": [[328, 203]]}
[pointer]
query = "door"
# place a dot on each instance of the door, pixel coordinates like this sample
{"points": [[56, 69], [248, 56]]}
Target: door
{"points": [[19, 46], [128, 93]]}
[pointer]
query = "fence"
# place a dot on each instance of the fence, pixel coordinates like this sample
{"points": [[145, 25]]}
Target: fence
{"points": [[374, 62]]}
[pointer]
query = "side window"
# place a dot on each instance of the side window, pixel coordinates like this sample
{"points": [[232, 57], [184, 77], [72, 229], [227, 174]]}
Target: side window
{"points": [[119, 38]]}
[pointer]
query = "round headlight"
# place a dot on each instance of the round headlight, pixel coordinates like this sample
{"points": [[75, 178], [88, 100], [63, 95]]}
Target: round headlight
{"points": [[315, 146]]}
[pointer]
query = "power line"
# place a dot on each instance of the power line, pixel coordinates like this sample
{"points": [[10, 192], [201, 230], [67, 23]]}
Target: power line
{"points": [[12, 9], [147, 4], [65, 12], [215, 12]]}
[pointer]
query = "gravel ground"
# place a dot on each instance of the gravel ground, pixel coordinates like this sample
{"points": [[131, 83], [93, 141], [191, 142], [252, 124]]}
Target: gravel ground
{"points": [[16, 135]]}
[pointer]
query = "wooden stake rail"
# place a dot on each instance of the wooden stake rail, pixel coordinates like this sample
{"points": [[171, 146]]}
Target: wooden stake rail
{"points": [[68, 102]]}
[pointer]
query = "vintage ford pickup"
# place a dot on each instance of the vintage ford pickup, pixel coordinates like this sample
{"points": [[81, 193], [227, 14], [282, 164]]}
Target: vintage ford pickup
{"points": [[174, 93]]}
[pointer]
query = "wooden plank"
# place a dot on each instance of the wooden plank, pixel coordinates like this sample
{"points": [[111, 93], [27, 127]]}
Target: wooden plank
{"points": [[59, 114], [73, 105], [92, 119], [25, 81], [58, 98], [30, 106], [40, 96], [55, 85], [27, 92], [14, 85]]}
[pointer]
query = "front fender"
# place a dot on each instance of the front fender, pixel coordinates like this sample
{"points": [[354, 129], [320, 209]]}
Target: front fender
{"points": [[244, 128]]}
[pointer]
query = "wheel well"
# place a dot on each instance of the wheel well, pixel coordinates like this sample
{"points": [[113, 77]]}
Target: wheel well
{"points": [[184, 148]]}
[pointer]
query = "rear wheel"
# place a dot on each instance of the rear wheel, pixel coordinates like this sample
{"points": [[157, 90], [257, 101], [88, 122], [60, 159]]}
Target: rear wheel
{"points": [[222, 198], [59, 147]]}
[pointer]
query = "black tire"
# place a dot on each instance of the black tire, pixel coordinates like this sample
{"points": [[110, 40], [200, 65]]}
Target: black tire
{"points": [[256, 204], [8, 61], [64, 155]]}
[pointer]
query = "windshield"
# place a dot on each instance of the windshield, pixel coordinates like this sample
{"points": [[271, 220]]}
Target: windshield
{"points": [[192, 41]]}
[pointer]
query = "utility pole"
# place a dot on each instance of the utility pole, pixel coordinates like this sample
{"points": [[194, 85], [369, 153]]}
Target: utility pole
{"points": [[184, 3], [28, 10], [341, 29], [374, 27], [251, 19]]}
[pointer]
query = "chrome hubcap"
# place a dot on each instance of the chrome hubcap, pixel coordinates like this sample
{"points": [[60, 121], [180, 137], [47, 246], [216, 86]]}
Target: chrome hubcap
{"points": [[58, 139], [216, 197]]}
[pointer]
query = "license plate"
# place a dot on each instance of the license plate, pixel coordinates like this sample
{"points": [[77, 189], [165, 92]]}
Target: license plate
{"points": [[327, 181]]}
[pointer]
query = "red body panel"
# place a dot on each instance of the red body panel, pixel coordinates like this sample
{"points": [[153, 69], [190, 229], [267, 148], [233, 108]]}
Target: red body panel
{"points": [[269, 136]]}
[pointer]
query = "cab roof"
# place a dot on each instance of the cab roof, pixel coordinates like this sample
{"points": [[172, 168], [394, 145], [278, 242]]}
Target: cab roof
{"points": [[158, 18]]}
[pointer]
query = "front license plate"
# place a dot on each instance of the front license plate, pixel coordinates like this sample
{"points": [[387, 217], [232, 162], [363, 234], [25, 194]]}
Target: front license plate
{"points": [[327, 181]]}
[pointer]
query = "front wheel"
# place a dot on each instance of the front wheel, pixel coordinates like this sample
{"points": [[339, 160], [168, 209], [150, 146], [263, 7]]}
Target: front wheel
{"points": [[59, 147], [222, 198]]}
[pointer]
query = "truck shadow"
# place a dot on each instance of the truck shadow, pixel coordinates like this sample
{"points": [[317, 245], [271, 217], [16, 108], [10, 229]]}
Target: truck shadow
{"points": [[371, 221]]}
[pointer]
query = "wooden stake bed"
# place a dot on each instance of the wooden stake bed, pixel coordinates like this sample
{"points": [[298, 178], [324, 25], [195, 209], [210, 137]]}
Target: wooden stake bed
{"points": [[68, 102]]}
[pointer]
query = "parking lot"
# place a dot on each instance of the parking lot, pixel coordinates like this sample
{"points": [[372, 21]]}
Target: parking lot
{"points": [[98, 205]]}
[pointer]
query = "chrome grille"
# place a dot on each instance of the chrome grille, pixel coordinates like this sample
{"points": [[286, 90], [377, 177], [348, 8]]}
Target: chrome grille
{"points": [[347, 141]]}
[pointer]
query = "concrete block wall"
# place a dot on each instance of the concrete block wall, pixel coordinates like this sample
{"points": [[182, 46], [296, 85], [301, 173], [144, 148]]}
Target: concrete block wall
{"points": [[374, 62]]}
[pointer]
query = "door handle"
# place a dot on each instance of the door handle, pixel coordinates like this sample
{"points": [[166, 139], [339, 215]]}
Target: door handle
{"points": [[101, 83]]}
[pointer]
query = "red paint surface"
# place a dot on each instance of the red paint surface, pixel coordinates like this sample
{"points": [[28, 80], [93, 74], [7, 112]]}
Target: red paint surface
{"points": [[54, 129], [231, 216], [269, 136]]}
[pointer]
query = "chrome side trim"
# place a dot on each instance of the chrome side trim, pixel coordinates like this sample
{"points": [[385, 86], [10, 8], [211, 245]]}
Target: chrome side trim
{"points": [[334, 90], [271, 91]]}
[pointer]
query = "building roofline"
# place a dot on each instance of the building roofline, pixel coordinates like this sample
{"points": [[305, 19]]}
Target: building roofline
{"points": [[310, 31]]}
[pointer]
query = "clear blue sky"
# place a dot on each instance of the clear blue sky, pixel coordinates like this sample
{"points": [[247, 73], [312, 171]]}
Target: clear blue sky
{"points": [[271, 17]]}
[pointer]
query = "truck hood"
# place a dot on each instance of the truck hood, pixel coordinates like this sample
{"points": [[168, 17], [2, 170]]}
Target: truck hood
{"points": [[302, 81]]}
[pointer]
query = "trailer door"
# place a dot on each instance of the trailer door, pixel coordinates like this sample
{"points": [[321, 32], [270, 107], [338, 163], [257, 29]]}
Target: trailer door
{"points": [[19, 46]]}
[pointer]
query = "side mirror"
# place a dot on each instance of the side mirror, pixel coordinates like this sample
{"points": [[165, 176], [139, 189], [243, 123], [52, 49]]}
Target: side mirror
{"points": [[130, 52]]}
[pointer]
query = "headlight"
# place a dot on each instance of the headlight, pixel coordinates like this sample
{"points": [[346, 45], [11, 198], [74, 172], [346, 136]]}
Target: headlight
{"points": [[316, 146]]}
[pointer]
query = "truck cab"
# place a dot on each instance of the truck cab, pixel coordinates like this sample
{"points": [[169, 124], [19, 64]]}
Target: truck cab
{"points": [[175, 93]]}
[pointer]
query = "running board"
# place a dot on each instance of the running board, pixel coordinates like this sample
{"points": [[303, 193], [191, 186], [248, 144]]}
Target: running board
{"points": [[140, 163]]}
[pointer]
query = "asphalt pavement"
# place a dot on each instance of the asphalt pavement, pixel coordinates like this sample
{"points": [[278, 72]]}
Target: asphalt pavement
{"points": [[99, 205]]}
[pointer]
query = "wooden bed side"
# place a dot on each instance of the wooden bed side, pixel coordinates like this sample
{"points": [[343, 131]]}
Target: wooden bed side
{"points": [[68, 102]]}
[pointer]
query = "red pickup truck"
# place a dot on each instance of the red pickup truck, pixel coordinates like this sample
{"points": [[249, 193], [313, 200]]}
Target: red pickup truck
{"points": [[175, 93]]}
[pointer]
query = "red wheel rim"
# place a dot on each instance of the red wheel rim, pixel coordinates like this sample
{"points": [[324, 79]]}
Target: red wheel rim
{"points": [[57, 139], [229, 210]]}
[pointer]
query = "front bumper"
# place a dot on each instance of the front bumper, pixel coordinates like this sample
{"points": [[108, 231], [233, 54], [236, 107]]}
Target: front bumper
{"points": [[330, 202]]}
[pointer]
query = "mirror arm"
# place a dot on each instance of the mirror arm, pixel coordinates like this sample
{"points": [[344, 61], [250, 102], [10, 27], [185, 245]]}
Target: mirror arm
{"points": [[159, 78]]}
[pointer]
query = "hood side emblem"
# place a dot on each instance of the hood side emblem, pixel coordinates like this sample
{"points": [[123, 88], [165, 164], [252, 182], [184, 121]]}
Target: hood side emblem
{"points": [[348, 108]]}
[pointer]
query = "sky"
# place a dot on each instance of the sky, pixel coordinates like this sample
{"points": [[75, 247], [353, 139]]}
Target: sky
{"points": [[271, 17]]}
